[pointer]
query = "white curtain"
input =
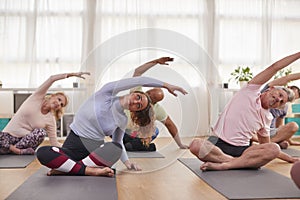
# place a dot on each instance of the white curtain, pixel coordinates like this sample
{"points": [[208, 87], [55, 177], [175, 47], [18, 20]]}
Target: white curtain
{"points": [[256, 33], [39, 38], [109, 38], [126, 34]]}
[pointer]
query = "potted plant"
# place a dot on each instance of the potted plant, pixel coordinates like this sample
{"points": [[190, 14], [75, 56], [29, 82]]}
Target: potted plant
{"points": [[241, 75]]}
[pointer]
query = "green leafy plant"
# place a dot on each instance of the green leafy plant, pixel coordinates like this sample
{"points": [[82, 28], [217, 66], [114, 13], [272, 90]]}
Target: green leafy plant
{"points": [[241, 74], [283, 72]]}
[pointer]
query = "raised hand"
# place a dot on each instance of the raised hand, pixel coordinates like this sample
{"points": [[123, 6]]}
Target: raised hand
{"points": [[78, 74], [173, 88], [164, 60]]}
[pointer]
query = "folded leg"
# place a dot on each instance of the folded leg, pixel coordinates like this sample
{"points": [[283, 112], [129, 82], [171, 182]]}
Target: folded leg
{"points": [[56, 158]]}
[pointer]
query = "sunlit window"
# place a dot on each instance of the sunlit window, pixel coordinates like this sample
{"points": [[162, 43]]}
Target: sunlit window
{"points": [[51, 35], [39, 36]]}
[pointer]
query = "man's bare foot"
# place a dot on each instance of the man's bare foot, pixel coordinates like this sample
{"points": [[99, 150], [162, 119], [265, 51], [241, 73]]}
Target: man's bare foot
{"points": [[294, 143], [54, 172], [97, 171], [213, 166]]}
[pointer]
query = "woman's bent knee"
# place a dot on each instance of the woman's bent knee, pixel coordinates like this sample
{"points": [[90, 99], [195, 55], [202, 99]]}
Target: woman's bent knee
{"points": [[42, 154]]}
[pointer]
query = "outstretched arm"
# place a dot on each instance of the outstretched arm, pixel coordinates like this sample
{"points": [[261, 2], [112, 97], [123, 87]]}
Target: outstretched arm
{"points": [[174, 132], [284, 80], [143, 68], [125, 84], [268, 73], [47, 84], [172, 88]]}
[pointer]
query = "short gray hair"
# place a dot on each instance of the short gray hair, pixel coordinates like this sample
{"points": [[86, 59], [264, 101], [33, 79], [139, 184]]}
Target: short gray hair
{"points": [[290, 93]]}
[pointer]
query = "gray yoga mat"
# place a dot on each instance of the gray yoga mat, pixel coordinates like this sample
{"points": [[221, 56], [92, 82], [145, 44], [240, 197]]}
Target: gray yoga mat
{"points": [[40, 186], [246, 184], [144, 154], [291, 152], [15, 161]]}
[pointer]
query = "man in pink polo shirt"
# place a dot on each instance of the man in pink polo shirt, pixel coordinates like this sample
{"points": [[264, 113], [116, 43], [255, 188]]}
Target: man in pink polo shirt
{"points": [[246, 115]]}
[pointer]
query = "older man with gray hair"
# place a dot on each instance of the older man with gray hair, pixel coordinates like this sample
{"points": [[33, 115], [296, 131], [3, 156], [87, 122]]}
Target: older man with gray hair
{"points": [[246, 115]]}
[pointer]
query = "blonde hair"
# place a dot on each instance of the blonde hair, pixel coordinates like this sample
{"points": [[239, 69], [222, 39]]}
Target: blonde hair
{"points": [[60, 112]]}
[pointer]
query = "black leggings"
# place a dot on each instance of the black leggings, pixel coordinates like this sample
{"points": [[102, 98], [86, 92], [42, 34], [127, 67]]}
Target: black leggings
{"points": [[77, 153], [136, 144]]}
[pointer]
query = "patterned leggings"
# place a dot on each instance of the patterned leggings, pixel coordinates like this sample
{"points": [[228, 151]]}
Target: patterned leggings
{"points": [[77, 153], [31, 140]]}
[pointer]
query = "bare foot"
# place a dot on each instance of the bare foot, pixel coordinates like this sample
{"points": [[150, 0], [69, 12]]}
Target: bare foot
{"points": [[97, 171], [213, 166], [28, 151], [294, 143], [54, 172], [15, 150]]}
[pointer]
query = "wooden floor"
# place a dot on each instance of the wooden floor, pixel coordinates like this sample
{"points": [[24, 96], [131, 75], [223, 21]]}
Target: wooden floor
{"points": [[161, 178]]}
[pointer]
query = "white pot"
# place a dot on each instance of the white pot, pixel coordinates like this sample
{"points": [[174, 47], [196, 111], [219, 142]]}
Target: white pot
{"points": [[243, 83]]}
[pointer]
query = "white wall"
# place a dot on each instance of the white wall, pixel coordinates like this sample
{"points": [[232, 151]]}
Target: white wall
{"points": [[6, 103]]}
